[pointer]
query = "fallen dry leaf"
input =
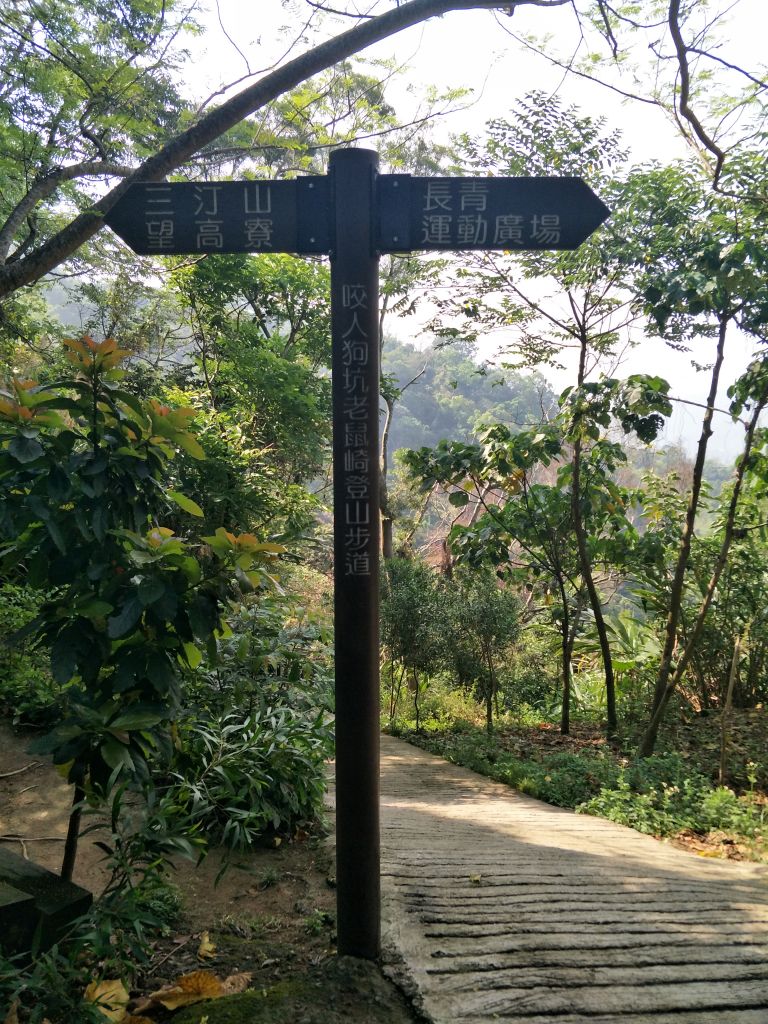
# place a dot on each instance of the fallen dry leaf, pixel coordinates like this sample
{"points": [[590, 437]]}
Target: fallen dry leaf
{"points": [[111, 997], [207, 949], [189, 989], [236, 983], [12, 1016]]}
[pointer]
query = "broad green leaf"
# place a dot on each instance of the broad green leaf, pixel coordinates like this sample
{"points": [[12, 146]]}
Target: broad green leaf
{"points": [[190, 445], [25, 449], [186, 503], [56, 535], [191, 568], [150, 590], [134, 404], [95, 609], [458, 498], [203, 615], [138, 719], [116, 754], [122, 623], [63, 658], [193, 655]]}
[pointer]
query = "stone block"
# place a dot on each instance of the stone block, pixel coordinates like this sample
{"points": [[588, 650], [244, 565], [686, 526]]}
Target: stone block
{"points": [[35, 904]]}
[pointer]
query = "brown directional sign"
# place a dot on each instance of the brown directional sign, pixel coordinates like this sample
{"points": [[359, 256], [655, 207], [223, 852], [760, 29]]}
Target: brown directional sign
{"points": [[409, 213], [485, 213], [355, 214], [225, 216]]}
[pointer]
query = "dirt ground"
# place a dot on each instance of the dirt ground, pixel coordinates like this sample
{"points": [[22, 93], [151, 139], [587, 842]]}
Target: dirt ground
{"points": [[272, 914]]}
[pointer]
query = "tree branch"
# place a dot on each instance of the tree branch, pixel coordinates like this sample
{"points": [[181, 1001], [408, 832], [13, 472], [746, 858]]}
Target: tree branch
{"points": [[686, 111], [216, 122], [47, 185]]}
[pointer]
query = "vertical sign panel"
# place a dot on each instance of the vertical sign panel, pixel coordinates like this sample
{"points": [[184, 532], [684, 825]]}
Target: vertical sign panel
{"points": [[355, 330]]}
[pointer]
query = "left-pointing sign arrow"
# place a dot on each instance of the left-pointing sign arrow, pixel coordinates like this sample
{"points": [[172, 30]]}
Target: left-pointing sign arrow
{"points": [[224, 217]]}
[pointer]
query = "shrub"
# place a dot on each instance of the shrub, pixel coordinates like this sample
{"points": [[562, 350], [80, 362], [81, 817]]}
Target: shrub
{"points": [[568, 779], [274, 654], [27, 689], [660, 795], [241, 776]]}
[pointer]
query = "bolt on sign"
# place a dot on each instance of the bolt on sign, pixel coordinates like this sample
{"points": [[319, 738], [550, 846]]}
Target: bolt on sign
{"points": [[353, 214]]}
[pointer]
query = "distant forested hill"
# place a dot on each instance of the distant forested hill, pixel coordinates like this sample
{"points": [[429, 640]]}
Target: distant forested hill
{"points": [[455, 395]]}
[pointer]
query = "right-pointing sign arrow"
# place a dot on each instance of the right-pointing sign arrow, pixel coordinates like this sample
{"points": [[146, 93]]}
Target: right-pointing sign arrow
{"points": [[485, 213]]}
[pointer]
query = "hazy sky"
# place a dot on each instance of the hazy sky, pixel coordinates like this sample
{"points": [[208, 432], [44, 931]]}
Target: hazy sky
{"points": [[476, 50]]}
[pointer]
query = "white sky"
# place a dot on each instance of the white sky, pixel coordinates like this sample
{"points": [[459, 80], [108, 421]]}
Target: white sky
{"points": [[474, 49]]}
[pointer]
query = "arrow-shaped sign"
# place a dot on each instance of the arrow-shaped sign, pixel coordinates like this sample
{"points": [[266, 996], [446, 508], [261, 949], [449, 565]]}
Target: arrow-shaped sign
{"points": [[409, 214]]}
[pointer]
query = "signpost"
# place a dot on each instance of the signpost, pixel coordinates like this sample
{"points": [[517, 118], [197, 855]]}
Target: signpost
{"points": [[354, 214]]}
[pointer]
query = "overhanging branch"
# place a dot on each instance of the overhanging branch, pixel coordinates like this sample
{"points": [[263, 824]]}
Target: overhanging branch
{"points": [[220, 120]]}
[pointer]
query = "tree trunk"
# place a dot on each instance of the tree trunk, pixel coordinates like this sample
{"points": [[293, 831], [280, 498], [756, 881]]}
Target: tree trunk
{"points": [[594, 598], [663, 691], [387, 546], [416, 706], [727, 705], [394, 692], [73, 833], [566, 648], [585, 565], [489, 695], [672, 679]]}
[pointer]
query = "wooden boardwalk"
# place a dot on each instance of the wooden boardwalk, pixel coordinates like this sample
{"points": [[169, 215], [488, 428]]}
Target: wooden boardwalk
{"points": [[503, 908]]}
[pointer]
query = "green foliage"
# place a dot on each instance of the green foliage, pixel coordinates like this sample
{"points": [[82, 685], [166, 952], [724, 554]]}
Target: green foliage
{"points": [[241, 776], [28, 692], [318, 921], [50, 988], [261, 327], [86, 90], [480, 623], [563, 779], [241, 484], [409, 627], [275, 653], [119, 933], [456, 396], [700, 262], [661, 795], [83, 469], [530, 683], [444, 706]]}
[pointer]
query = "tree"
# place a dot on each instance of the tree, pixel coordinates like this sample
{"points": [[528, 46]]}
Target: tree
{"points": [[675, 55], [481, 622], [701, 275], [409, 632], [128, 603], [589, 311], [523, 522]]}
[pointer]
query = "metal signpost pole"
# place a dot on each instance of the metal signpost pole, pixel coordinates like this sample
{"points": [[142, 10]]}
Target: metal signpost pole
{"points": [[355, 367]]}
